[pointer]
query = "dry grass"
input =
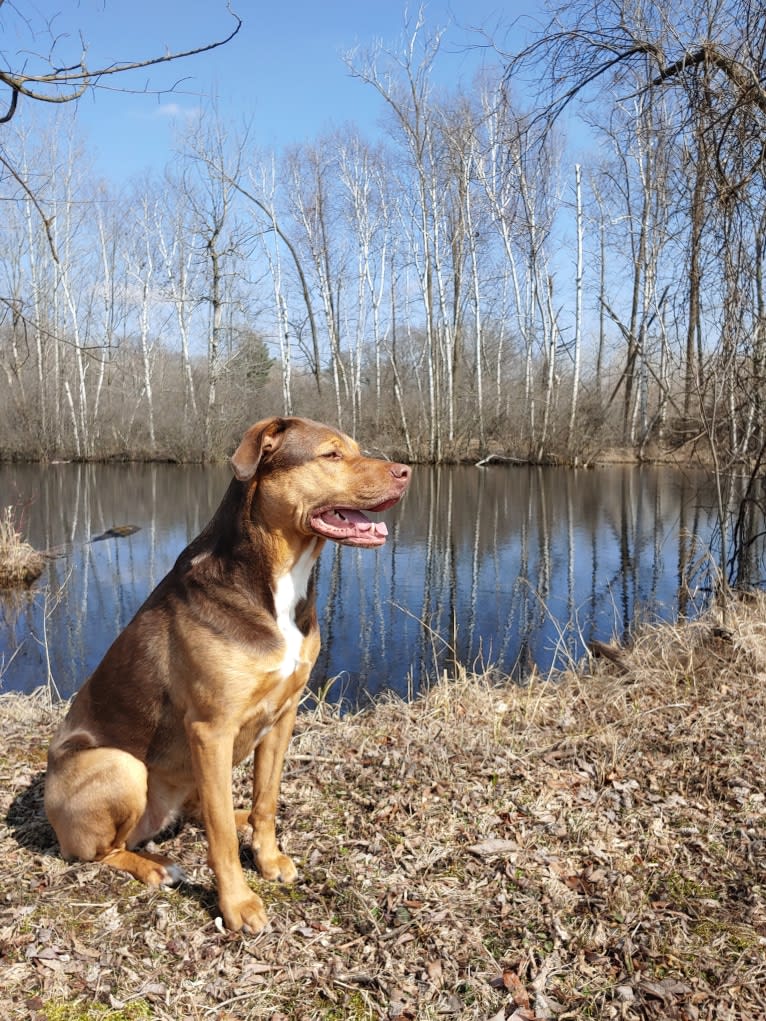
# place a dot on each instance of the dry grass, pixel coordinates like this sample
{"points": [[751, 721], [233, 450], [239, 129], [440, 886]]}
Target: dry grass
{"points": [[20, 564], [593, 848]]}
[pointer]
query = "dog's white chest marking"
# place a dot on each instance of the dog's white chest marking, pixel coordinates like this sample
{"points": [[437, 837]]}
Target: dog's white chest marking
{"points": [[288, 592]]}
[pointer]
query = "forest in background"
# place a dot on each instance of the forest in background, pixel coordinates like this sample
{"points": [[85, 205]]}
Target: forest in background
{"points": [[455, 288]]}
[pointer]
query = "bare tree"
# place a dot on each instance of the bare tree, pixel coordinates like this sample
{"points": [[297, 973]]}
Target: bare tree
{"points": [[706, 60], [262, 193], [578, 306], [141, 268], [403, 81], [362, 174], [590, 45], [270, 243], [178, 279], [221, 238], [312, 171]]}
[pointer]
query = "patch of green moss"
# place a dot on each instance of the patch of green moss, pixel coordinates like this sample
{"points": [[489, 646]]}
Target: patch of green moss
{"points": [[739, 938], [281, 893], [137, 1010], [682, 889], [353, 1008]]}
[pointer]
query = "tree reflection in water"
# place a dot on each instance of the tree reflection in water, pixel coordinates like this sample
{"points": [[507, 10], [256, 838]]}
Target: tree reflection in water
{"points": [[501, 566]]}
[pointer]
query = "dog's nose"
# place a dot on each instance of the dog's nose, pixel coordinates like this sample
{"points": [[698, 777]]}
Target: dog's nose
{"points": [[401, 472]]}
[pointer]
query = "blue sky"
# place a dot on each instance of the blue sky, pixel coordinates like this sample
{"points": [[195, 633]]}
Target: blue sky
{"points": [[283, 73]]}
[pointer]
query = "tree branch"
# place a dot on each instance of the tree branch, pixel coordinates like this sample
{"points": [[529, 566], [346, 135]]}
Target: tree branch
{"points": [[78, 78], [746, 84], [46, 220], [11, 106]]}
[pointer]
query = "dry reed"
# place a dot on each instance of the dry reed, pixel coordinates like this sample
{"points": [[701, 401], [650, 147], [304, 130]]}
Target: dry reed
{"points": [[20, 563]]}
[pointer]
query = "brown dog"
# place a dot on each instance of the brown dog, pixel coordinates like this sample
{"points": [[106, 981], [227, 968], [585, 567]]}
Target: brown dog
{"points": [[213, 665]]}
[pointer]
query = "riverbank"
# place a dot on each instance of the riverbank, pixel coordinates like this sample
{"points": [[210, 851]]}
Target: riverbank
{"points": [[693, 453], [591, 848]]}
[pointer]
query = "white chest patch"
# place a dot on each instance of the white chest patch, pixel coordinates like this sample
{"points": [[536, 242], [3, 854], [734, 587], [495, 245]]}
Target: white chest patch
{"points": [[288, 592]]}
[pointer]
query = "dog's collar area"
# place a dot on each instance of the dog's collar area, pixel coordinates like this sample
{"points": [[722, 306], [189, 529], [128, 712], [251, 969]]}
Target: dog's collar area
{"points": [[350, 526]]}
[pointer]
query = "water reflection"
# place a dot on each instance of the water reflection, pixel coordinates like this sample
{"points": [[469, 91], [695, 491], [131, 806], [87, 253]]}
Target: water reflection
{"points": [[505, 566]]}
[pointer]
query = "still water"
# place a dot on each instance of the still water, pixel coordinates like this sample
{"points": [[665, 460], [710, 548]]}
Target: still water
{"points": [[502, 566]]}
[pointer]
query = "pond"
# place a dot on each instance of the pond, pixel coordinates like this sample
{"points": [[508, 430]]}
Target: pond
{"points": [[500, 566]]}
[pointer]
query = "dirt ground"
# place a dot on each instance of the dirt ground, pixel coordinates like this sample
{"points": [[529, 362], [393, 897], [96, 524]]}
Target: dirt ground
{"points": [[592, 847]]}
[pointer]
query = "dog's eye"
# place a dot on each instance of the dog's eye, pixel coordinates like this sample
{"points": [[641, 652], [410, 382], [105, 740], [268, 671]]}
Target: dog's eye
{"points": [[334, 455]]}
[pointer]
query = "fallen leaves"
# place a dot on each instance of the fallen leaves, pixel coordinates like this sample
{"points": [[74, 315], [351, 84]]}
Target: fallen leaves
{"points": [[494, 846]]}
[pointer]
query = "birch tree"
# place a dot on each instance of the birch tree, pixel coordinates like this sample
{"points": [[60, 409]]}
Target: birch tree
{"points": [[177, 280], [271, 245], [361, 173], [402, 80], [578, 306], [141, 272], [221, 237], [314, 209]]}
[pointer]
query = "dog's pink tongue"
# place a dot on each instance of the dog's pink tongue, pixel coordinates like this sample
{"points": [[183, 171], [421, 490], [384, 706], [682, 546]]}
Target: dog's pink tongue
{"points": [[358, 522]]}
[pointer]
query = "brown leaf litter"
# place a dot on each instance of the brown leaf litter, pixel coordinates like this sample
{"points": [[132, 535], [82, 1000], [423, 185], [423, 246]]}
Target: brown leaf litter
{"points": [[592, 847]]}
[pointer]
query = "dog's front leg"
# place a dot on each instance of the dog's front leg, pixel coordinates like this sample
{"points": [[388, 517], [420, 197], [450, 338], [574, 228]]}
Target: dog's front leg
{"points": [[268, 760], [211, 749]]}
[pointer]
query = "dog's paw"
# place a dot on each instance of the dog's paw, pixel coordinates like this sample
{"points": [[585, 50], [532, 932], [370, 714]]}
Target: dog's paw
{"points": [[278, 866], [248, 915], [165, 874], [173, 875], [159, 870]]}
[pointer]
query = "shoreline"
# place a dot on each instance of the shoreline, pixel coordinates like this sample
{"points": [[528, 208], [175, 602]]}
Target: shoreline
{"points": [[683, 456]]}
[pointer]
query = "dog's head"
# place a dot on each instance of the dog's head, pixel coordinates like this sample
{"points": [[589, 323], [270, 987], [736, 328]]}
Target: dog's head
{"points": [[314, 480]]}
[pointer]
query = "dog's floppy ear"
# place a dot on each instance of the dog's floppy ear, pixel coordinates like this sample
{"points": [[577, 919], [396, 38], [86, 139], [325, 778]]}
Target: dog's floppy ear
{"points": [[262, 438]]}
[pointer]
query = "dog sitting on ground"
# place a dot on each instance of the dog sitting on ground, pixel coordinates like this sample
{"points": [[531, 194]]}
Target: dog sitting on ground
{"points": [[212, 667]]}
